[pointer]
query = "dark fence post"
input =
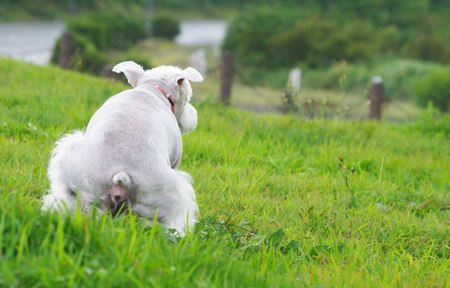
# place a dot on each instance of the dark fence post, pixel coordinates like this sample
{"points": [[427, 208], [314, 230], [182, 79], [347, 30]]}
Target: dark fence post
{"points": [[289, 105], [376, 98], [66, 51], [226, 76], [149, 20], [72, 6]]}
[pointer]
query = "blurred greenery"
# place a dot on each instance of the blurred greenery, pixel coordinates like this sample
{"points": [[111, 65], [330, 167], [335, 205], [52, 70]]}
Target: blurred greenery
{"points": [[166, 26], [329, 40], [105, 31], [434, 88], [98, 33], [87, 58], [320, 38]]}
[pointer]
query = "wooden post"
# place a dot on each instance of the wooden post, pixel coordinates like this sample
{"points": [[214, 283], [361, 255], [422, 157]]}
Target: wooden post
{"points": [[66, 51], [72, 6], [289, 105], [226, 76], [376, 98], [149, 20]]}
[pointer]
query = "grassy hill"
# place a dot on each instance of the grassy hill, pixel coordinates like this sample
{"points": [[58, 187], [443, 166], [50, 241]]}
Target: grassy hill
{"points": [[279, 208]]}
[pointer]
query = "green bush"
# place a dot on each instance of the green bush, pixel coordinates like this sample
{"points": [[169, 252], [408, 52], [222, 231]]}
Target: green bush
{"points": [[90, 29], [428, 47], [165, 26], [40, 12], [249, 36], [137, 57], [98, 32], [389, 40], [432, 121], [87, 57], [109, 30], [434, 88], [270, 38], [318, 43], [399, 75]]}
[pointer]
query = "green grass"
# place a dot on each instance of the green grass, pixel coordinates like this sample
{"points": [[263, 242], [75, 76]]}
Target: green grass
{"points": [[277, 206]]}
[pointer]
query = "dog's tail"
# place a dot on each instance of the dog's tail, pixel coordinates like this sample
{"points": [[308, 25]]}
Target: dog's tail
{"points": [[122, 179], [118, 193]]}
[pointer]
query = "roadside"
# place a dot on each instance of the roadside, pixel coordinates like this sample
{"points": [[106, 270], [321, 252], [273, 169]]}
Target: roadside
{"points": [[262, 99], [33, 42]]}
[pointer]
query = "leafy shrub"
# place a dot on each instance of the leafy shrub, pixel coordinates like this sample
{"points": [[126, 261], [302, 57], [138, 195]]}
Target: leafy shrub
{"points": [[99, 32], [399, 75], [137, 57], [165, 26], [4, 15], [249, 36], [432, 121], [428, 47], [318, 43], [108, 30], [434, 88], [87, 57], [270, 38], [37, 10], [90, 30], [389, 39]]}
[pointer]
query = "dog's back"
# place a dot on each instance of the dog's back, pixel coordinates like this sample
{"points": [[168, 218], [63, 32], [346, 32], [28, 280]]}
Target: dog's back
{"points": [[129, 155], [124, 135]]}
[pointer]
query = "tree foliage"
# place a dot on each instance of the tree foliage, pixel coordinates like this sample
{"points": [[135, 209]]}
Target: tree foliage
{"points": [[99, 32], [166, 26], [434, 88], [328, 31]]}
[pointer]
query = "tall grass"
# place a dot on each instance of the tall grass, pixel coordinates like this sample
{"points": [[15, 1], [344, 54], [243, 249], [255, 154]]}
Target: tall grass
{"points": [[277, 210]]}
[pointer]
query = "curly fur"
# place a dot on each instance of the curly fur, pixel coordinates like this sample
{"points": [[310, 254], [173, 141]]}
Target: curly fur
{"points": [[128, 156]]}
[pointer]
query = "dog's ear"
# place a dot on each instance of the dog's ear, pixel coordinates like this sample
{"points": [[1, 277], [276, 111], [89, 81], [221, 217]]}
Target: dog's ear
{"points": [[131, 70], [190, 74], [188, 119]]}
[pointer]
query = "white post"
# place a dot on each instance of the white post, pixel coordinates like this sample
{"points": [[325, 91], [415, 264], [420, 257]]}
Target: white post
{"points": [[294, 81], [199, 62], [216, 51]]}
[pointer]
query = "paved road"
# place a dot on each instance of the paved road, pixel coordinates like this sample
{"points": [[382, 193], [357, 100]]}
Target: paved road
{"points": [[29, 41], [201, 32], [33, 41]]}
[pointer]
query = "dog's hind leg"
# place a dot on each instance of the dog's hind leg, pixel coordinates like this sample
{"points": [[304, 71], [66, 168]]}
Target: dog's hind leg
{"points": [[61, 198], [174, 206], [184, 217]]}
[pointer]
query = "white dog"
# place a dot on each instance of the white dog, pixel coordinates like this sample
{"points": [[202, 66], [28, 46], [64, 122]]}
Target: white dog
{"points": [[129, 155]]}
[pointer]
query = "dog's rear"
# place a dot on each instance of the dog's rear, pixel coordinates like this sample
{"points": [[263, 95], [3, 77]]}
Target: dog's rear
{"points": [[115, 199], [129, 155]]}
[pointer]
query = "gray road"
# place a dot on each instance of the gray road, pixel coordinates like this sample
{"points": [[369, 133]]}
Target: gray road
{"points": [[29, 41], [201, 32], [33, 41]]}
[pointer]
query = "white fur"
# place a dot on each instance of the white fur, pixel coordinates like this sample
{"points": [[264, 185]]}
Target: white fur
{"points": [[130, 152]]}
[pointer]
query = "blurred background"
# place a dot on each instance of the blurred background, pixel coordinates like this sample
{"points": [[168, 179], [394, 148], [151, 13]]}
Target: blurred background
{"points": [[337, 47]]}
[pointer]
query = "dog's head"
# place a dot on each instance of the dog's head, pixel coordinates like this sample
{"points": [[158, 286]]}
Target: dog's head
{"points": [[178, 82]]}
